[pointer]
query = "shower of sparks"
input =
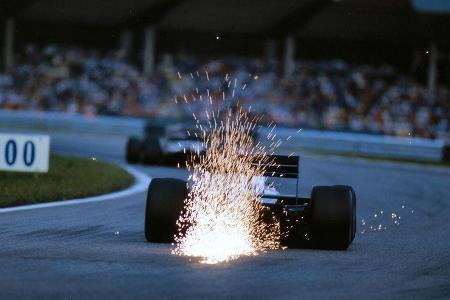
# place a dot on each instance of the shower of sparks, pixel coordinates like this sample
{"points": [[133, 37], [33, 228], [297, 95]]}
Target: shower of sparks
{"points": [[223, 219], [381, 221]]}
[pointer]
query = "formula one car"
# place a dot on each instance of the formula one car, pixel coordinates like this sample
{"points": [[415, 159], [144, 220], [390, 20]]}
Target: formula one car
{"points": [[325, 220], [166, 145]]}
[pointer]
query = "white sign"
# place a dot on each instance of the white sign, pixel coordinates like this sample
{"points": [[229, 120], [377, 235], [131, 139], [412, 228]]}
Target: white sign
{"points": [[24, 152]]}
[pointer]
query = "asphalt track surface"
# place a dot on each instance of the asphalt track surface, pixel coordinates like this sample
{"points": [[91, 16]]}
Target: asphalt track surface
{"points": [[98, 250]]}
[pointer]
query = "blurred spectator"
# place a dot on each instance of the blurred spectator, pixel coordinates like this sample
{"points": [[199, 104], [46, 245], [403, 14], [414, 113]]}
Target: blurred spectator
{"points": [[322, 94]]}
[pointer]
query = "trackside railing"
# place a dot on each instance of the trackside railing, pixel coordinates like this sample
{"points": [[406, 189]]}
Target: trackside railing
{"points": [[338, 142]]}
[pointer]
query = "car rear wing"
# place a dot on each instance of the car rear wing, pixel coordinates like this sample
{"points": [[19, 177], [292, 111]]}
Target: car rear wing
{"points": [[282, 166]]}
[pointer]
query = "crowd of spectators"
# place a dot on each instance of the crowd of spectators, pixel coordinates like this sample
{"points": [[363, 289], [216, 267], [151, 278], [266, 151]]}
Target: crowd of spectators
{"points": [[330, 94]]}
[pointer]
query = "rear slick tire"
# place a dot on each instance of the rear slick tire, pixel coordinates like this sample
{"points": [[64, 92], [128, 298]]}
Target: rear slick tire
{"points": [[333, 222], [151, 151], [165, 202], [133, 150]]}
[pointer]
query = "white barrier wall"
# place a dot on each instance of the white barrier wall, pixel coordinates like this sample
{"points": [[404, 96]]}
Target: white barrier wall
{"points": [[364, 144], [351, 143]]}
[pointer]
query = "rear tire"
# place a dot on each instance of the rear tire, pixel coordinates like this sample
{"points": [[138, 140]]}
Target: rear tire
{"points": [[151, 151], [333, 216], [165, 202], [133, 150]]}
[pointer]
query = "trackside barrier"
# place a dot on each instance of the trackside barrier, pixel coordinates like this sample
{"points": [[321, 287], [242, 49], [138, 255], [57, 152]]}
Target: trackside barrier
{"points": [[340, 142], [363, 144], [70, 122]]}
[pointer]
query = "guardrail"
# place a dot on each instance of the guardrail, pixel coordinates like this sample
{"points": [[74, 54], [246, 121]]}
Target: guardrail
{"points": [[363, 144], [340, 142], [70, 122]]}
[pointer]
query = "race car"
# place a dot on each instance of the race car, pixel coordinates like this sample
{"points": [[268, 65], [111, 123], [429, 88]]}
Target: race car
{"points": [[167, 145], [325, 220], [164, 145]]}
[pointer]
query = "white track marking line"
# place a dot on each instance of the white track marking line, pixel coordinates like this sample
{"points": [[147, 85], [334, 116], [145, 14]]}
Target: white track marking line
{"points": [[142, 181]]}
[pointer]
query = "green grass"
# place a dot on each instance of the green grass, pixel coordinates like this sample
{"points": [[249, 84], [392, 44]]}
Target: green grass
{"points": [[68, 178]]}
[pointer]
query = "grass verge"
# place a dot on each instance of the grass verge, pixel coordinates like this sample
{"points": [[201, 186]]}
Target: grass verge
{"points": [[68, 178]]}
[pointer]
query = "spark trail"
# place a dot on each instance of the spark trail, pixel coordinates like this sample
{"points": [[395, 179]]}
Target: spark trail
{"points": [[223, 219]]}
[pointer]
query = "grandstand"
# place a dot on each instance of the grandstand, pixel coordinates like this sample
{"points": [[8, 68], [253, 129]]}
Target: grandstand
{"points": [[375, 67]]}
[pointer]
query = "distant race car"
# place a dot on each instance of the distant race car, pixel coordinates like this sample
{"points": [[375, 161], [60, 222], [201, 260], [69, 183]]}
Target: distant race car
{"points": [[325, 220], [166, 145], [169, 144]]}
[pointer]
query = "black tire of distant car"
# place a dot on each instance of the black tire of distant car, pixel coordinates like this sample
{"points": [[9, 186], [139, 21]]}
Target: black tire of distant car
{"points": [[133, 150], [165, 200], [354, 214], [151, 151], [333, 219]]}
